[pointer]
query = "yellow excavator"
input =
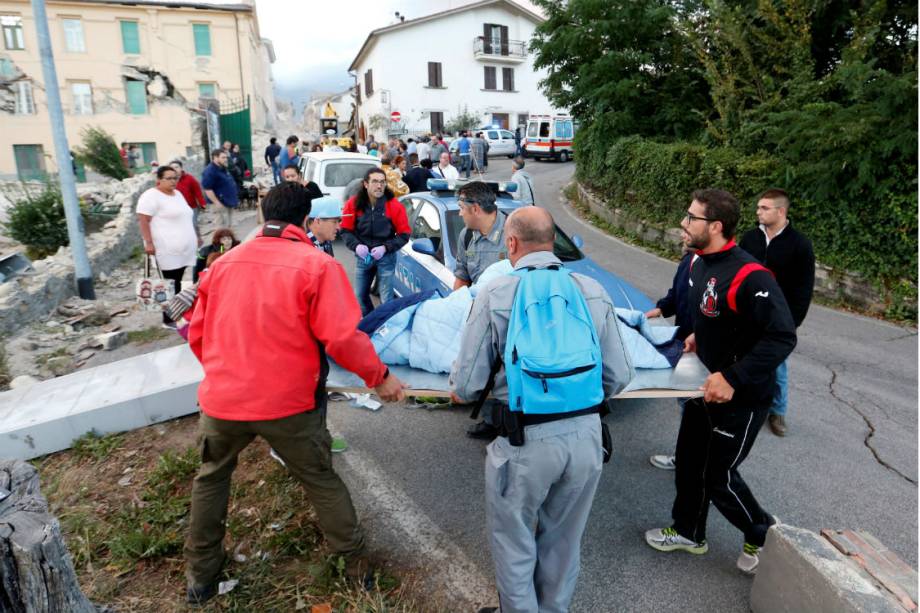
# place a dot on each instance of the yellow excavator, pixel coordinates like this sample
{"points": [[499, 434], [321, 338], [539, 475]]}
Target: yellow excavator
{"points": [[329, 129]]}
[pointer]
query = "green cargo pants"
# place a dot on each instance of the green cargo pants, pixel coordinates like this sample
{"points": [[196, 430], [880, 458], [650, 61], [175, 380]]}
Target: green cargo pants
{"points": [[303, 442]]}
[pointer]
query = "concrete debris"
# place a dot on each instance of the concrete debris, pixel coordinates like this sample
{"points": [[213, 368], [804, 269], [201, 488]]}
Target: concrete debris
{"points": [[59, 365], [23, 381], [112, 340]]}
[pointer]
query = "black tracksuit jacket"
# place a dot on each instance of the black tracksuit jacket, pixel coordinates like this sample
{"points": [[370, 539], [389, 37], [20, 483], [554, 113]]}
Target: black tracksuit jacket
{"points": [[791, 258], [742, 323]]}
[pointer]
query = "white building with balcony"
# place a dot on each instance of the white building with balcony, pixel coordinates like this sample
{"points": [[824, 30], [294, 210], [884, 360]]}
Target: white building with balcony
{"points": [[470, 59]]}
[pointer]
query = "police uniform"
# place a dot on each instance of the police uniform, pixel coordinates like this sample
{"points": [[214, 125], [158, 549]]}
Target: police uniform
{"points": [[478, 251]]}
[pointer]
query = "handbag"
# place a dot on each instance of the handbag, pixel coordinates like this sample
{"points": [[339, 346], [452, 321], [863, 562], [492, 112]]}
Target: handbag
{"points": [[153, 292]]}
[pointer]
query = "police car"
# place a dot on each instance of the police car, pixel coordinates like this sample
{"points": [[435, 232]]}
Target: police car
{"points": [[427, 261]]}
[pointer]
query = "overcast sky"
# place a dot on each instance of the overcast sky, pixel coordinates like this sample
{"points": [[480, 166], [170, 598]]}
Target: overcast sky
{"points": [[316, 42]]}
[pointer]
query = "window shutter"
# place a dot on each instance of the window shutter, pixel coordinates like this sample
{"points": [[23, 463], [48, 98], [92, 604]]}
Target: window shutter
{"points": [[504, 39], [369, 83], [490, 77], [508, 79], [487, 38], [358, 93], [130, 38], [437, 121], [432, 75], [202, 35], [440, 78], [136, 94]]}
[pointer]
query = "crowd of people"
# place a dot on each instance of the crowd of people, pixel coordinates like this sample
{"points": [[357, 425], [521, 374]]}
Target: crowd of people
{"points": [[736, 305]]}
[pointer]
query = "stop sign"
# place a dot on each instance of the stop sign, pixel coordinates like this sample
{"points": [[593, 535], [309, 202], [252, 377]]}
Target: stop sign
{"points": [[395, 116]]}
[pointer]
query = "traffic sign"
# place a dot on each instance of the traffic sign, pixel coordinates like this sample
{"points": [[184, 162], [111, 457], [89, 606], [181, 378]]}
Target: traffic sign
{"points": [[395, 116]]}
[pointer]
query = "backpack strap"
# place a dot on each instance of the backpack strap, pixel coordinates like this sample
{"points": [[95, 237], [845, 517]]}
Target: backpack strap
{"points": [[484, 394], [739, 278]]}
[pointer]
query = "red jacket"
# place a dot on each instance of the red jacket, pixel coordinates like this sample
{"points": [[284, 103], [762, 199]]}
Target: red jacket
{"points": [[385, 224], [263, 311], [189, 187]]}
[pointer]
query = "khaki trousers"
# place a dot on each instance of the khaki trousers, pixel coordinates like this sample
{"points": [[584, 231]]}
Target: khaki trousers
{"points": [[303, 442]]}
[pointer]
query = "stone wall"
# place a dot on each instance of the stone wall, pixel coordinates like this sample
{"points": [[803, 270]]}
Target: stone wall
{"points": [[830, 284], [26, 298]]}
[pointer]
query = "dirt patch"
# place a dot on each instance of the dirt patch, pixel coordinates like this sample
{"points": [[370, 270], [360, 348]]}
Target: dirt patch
{"points": [[123, 501]]}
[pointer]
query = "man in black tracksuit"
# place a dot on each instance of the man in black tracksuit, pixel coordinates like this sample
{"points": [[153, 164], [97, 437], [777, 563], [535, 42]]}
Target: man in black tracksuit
{"points": [[742, 330], [788, 254]]}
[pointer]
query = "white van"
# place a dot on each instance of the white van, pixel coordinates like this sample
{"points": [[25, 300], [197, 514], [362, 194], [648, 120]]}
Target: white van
{"points": [[332, 171], [549, 137], [501, 141]]}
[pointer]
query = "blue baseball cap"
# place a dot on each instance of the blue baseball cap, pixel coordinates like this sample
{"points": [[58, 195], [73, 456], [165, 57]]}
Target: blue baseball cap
{"points": [[327, 207]]}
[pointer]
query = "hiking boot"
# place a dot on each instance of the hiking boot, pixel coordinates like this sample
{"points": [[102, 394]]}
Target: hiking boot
{"points": [[200, 594], [664, 462], [338, 445], [482, 431], [358, 569], [777, 424], [667, 539], [749, 559]]}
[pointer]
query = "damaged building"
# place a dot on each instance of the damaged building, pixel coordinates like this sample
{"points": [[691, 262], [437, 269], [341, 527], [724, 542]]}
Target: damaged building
{"points": [[141, 70]]}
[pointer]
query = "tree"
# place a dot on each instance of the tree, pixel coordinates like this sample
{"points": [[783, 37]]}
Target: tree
{"points": [[463, 120], [100, 153]]}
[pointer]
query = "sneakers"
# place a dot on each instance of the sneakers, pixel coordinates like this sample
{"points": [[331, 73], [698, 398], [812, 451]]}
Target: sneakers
{"points": [[664, 462], [339, 445], [667, 539], [749, 559]]}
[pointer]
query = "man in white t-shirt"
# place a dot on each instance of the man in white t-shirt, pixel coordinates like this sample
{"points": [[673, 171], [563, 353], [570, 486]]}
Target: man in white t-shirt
{"points": [[444, 169], [166, 226]]}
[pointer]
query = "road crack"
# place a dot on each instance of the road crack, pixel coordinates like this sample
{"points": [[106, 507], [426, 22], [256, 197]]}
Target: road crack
{"points": [[867, 440]]}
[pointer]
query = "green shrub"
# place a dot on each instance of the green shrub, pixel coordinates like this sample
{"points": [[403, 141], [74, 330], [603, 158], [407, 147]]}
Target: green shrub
{"points": [[100, 153], [38, 221]]}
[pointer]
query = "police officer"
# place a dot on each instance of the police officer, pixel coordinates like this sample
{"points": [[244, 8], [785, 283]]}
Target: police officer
{"points": [[324, 222], [537, 503], [742, 330], [482, 243]]}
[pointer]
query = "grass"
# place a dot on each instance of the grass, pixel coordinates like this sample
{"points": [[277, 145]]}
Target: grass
{"points": [[126, 540], [5, 376], [148, 335], [42, 359]]}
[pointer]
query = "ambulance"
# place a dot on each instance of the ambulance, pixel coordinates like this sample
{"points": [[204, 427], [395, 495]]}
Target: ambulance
{"points": [[549, 137]]}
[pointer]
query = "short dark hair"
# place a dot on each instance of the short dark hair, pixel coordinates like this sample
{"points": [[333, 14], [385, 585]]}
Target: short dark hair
{"points": [[292, 140], [413, 158], [720, 206], [426, 163], [162, 170], [362, 198], [292, 167], [272, 140], [216, 153], [288, 202], [481, 194], [775, 193]]}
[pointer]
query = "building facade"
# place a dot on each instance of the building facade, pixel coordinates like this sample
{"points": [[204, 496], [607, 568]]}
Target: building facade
{"points": [[470, 60], [136, 69]]}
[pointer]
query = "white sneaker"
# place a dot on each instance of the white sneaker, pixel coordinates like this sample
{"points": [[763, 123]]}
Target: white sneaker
{"points": [[664, 462], [276, 457], [667, 539], [749, 559]]}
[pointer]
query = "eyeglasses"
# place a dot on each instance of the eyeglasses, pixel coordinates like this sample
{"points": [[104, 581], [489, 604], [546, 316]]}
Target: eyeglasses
{"points": [[465, 202], [690, 218], [172, 178], [381, 182]]}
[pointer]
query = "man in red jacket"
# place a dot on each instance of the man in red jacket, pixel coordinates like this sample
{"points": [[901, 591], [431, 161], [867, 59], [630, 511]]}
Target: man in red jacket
{"points": [[190, 189], [268, 313]]}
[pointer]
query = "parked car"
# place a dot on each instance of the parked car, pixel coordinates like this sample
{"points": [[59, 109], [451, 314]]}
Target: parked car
{"points": [[501, 141], [549, 137], [428, 260], [332, 171]]}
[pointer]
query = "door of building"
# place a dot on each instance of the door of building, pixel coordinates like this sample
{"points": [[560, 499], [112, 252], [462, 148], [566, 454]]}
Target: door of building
{"points": [[500, 120], [236, 127]]}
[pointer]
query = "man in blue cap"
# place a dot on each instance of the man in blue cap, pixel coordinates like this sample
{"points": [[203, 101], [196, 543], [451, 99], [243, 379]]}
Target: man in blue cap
{"points": [[324, 222]]}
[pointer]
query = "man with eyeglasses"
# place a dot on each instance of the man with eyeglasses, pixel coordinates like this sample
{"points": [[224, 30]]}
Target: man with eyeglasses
{"points": [[790, 257], [742, 331]]}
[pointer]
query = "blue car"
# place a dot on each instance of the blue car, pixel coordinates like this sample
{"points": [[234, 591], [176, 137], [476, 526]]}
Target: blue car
{"points": [[428, 260]]}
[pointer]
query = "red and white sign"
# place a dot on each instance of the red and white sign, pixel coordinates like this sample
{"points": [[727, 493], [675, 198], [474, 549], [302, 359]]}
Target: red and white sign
{"points": [[395, 116]]}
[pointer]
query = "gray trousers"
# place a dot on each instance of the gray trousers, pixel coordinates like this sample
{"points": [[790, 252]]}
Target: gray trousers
{"points": [[538, 497]]}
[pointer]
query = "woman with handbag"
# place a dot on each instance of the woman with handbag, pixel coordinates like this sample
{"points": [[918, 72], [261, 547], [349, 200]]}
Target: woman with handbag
{"points": [[166, 226]]}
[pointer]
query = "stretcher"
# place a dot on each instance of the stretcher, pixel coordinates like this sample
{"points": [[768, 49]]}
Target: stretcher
{"points": [[682, 381]]}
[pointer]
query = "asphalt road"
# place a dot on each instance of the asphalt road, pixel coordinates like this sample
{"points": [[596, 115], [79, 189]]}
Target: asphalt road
{"points": [[849, 461]]}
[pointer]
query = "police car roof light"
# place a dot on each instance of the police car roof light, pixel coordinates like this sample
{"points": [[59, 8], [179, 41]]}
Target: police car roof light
{"points": [[437, 185], [508, 187]]}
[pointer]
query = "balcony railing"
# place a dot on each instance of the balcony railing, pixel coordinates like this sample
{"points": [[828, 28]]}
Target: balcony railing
{"points": [[514, 50]]}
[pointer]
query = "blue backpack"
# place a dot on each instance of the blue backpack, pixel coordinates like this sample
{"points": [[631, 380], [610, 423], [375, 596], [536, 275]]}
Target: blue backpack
{"points": [[553, 359]]}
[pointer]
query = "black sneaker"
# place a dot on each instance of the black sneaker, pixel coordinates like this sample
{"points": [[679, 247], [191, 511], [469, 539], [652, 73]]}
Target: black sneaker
{"points": [[482, 431], [488, 610], [200, 594]]}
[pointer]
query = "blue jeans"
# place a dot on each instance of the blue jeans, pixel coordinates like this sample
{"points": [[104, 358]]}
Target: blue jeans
{"points": [[781, 392], [466, 164], [276, 172], [383, 269]]}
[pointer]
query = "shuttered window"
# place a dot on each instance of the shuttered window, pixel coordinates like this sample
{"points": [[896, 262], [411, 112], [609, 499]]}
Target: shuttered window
{"points": [[25, 101], [358, 93], [508, 79], [490, 77], [369, 83], [30, 162], [434, 74], [437, 121], [202, 35], [136, 95], [82, 98], [73, 35], [130, 37]]}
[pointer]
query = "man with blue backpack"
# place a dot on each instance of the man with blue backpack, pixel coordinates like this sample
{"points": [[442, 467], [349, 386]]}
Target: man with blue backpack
{"points": [[545, 343]]}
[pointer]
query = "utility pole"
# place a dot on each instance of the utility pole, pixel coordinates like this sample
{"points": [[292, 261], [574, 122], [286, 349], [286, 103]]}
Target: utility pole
{"points": [[82, 271]]}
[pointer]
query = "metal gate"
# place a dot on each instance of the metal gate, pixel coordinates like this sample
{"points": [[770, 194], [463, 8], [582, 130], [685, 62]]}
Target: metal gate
{"points": [[236, 127]]}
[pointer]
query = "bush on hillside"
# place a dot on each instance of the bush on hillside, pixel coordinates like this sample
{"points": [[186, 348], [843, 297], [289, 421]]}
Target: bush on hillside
{"points": [[38, 221]]}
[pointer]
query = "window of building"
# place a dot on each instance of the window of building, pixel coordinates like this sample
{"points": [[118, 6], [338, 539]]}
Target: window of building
{"points": [[136, 97], [12, 32], [148, 153], [30, 162], [130, 37], [202, 34], [369, 83], [437, 121], [434, 74], [207, 90], [490, 77], [508, 79], [25, 102], [358, 93], [6, 68], [73, 35], [82, 98], [495, 39]]}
